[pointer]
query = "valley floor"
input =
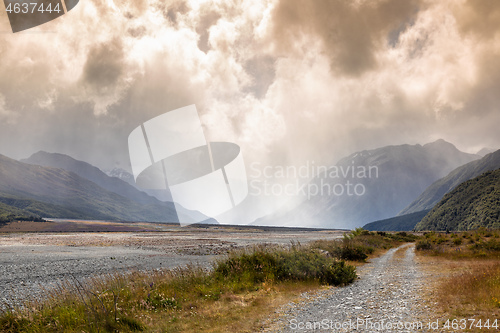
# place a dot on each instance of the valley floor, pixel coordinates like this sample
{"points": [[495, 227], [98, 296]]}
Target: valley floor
{"points": [[31, 263]]}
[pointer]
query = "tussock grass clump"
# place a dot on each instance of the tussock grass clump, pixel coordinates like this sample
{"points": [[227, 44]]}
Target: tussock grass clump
{"points": [[93, 306], [424, 244], [295, 264]]}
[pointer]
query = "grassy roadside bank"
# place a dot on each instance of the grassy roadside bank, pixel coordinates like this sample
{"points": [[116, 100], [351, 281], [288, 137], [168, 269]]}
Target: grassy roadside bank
{"points": [[240, 290], [470, 265]]}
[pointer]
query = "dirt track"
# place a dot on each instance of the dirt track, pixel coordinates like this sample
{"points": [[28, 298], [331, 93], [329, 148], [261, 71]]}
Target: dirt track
{"points": [[390, 296]]}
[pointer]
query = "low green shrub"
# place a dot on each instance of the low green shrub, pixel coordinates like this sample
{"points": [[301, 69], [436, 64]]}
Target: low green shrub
{"points": [[339, 274], [295, 264], [256, 267], [492, 245], [352, 252], [424, 244]]}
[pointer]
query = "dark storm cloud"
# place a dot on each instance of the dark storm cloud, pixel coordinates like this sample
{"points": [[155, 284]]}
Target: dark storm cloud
{"points": [[104, 64], [262, 69], [206, 21], [351, 33], [479, 119], [288, 81], [173, 10], [478, 22], [137, 32], [481, 18]]}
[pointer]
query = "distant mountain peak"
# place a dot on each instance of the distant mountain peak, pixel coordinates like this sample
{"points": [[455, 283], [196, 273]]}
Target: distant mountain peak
{"points": [[57, 160], [440, 143], [44, 154], [403, 172], [121, 174], [485, 151]]}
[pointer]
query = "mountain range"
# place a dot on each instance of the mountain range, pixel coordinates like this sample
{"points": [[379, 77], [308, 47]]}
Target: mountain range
{"points": [[162, 195], [409, 217], [92, 173], [398, 223], [435, 192], [58, 186], [472, 204], [485, 151], [404, 172]]}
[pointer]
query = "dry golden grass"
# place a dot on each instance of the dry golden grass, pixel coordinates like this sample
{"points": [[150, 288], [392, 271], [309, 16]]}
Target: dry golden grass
{"points": [[462, 290], [463, 284], [473, 289], [232, 313]]}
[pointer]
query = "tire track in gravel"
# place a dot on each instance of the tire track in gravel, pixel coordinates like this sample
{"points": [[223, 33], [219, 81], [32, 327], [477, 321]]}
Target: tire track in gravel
{"points": [[386, 298]]}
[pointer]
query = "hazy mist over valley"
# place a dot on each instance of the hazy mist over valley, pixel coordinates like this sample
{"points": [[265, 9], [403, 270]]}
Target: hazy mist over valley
{"points": [[249, 166], [289, 85]]}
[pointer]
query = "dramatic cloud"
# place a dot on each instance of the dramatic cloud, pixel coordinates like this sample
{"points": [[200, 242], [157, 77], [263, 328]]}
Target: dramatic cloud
{"points": [[289, 81], [351, 32]]}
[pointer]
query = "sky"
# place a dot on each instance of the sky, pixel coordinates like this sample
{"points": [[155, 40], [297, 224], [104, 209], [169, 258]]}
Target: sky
{"points": [[289, 81]]}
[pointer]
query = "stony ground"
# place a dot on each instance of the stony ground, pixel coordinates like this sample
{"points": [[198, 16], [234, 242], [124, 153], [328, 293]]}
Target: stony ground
{"points": [[30, 263], [392, 293], [389, 296]]}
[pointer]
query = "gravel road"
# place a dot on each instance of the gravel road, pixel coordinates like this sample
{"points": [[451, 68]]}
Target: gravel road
{"points": [[386, 298]]}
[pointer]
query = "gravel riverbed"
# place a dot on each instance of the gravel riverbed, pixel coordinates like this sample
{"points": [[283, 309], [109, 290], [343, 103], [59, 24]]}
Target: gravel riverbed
{"points": [[31, 263]]}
